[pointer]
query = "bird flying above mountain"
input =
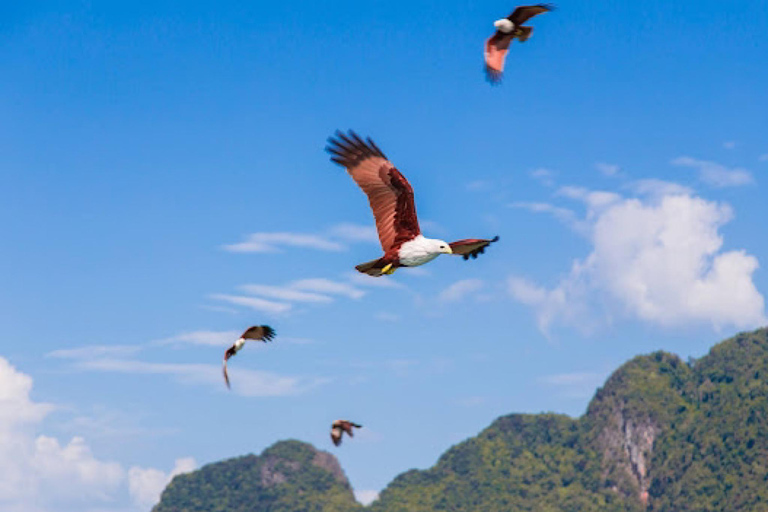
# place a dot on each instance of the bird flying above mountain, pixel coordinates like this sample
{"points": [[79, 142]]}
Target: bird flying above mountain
{"points": [[391, 199], [258, 332], [338, 428], [507, 30]]}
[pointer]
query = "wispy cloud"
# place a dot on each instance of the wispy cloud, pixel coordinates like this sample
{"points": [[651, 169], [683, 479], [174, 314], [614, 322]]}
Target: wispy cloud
{"points": [[715, 174], [322, 285], [544, 176], [608, 169], [564, 215], [202, 338], [461, 290], [274, 242], [658, 188], [95, 351], [332, 240], [286, 293], [763, 158], [729, 144], [366, 497], [244, 382], [255, 303]]}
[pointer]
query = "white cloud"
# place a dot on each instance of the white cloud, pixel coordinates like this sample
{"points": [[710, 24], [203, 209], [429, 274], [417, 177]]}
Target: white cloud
{"points": [[608, 169], [729, 144], [658, 261], [95, 351], [544, 176], [355, 232], [274, 242], [366, 497], [37, 472], [244, 382], [763, 158], [284, 293], [564, 215], [146, 484], [657, 189], [321, 285], [255, 303], [204, 338], [714, 174], [460, 290]]}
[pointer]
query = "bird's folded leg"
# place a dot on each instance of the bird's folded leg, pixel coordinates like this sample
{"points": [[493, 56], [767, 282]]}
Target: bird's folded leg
{"points": [[388, 269]]}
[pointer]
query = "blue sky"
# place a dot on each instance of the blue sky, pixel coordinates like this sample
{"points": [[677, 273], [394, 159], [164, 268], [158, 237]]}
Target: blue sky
{"points": [[622, 163]]}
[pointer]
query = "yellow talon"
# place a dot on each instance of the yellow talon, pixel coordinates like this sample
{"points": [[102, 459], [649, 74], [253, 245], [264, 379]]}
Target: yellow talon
{"points": [[388, 269]]}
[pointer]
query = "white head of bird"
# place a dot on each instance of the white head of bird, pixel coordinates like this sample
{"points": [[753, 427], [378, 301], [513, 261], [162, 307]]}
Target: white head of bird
{"points": [[504, 25], [421, 250]]}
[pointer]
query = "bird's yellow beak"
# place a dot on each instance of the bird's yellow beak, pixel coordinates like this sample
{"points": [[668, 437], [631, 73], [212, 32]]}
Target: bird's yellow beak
{"points": [[448, 250]]}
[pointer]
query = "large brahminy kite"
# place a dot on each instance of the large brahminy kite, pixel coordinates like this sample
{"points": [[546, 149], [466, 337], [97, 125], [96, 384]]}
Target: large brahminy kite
{"points": [[339, 427], [391, 199], [507, 30], [258, 332]]}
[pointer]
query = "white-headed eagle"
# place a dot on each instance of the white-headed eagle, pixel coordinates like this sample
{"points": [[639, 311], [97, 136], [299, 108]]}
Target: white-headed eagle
{"points": [[391, 199], [258, 332], [338, 428], [507, 30]]}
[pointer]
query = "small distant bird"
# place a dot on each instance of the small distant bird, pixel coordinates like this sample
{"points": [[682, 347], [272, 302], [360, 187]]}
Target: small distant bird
{"points": [[391, 199], [339, 427], [507, 30], [258, 332]]}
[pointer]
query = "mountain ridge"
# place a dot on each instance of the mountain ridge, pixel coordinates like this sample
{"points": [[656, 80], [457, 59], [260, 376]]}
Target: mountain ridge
{"points": [[660, 434]]}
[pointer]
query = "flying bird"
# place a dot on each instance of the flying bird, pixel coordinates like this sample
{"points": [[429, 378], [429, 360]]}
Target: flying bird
{"points": [[391, 199], [338, 428], [507, 30], [258, 332]]}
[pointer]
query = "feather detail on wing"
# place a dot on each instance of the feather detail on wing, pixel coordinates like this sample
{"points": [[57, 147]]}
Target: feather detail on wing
{"points": [[526, 12], [471, 247], [259, 333], [389, 193], [496, 48]]}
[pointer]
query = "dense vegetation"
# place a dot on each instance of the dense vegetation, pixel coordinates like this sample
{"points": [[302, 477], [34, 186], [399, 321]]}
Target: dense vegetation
{"points": [[287, 477], [660, 435]]}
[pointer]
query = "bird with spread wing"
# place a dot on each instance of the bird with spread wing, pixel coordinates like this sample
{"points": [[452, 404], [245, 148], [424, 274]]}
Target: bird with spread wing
{"points": [[258, 333], [391, 199], [339, 427], [507, 30]]}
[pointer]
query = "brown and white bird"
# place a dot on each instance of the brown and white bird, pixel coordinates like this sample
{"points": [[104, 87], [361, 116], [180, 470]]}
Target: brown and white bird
{"points": [[258, 332], [338, 428], [507, 30], [391, 199]]}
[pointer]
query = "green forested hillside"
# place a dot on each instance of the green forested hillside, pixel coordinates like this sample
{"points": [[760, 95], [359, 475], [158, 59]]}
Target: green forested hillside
{"points": [[660, 435]]}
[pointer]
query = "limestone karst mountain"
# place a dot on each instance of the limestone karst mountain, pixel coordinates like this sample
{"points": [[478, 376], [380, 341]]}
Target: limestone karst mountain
{"points": [[661, 435]]}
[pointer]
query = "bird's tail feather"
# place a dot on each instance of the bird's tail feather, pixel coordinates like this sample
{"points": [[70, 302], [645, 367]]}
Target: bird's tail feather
{"points": [[525, 34], [372, 268]]}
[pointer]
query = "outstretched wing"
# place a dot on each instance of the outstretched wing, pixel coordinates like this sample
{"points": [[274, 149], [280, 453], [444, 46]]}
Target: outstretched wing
{"points": [[471, 247], [526, 12], [496, 48], [389, 193], [259, 333], [224, 371]]}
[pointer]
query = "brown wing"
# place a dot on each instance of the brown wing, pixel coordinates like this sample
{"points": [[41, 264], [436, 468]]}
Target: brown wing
{"points": [[526, 12], [496, 48], [471, 247], [259, 332], [389, 193], [224, 371]]}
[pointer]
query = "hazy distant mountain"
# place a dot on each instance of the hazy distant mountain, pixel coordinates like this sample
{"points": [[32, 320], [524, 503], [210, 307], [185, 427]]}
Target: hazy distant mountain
{"points": [[660, 435]]}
